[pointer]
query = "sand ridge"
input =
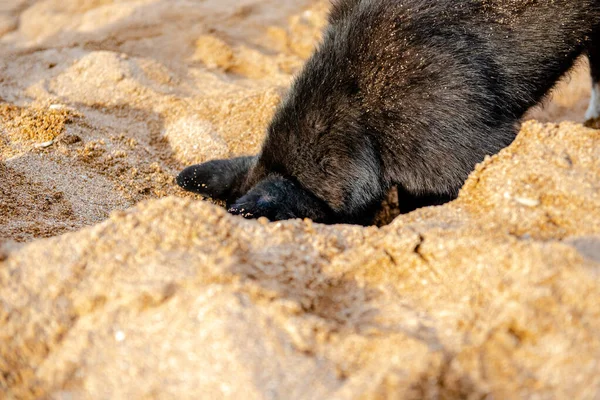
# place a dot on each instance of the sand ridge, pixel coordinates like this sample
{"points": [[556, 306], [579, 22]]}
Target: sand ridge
{"points": [[491, 295]]}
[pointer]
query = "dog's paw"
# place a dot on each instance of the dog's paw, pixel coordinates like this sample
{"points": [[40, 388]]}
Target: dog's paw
{"points": [[259, 203], [206, 179], [219, 179], [277, 198]]}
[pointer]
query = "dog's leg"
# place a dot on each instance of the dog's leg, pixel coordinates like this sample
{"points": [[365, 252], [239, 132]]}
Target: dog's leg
{"points": [[593, 110], [219, 179]]}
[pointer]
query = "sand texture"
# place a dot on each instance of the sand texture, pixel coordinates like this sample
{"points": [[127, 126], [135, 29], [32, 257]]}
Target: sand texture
{"points": [[115, 284]]}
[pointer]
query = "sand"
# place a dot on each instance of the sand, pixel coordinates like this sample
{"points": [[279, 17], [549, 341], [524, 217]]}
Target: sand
{"points": [[116, 284], [103, 102]]}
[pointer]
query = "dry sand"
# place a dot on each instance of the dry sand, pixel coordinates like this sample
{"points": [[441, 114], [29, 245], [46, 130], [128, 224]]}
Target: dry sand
{"points": [[494, 295]]}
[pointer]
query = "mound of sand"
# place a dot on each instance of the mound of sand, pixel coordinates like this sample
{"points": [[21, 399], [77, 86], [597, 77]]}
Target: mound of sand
{"points": [[495, 293], [166, 296]]}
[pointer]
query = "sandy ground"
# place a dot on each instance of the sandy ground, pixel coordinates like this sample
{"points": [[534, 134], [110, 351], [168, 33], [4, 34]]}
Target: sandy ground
{"points": [[156, 294], [132, 91]]}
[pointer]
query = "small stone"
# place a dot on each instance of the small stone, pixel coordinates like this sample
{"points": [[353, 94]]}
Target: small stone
{"points": [[527, 202], [43, 145]]}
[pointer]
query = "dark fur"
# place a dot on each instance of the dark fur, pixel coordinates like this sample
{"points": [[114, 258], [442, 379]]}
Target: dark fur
{"points": [[411, 93]]}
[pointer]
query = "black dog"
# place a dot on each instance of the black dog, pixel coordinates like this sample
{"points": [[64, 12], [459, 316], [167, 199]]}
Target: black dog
{"points": [[410, 93]]}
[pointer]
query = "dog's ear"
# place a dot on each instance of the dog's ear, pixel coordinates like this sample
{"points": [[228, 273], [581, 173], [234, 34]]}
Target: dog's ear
{"points": [[219, 179], [278, 198]]}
